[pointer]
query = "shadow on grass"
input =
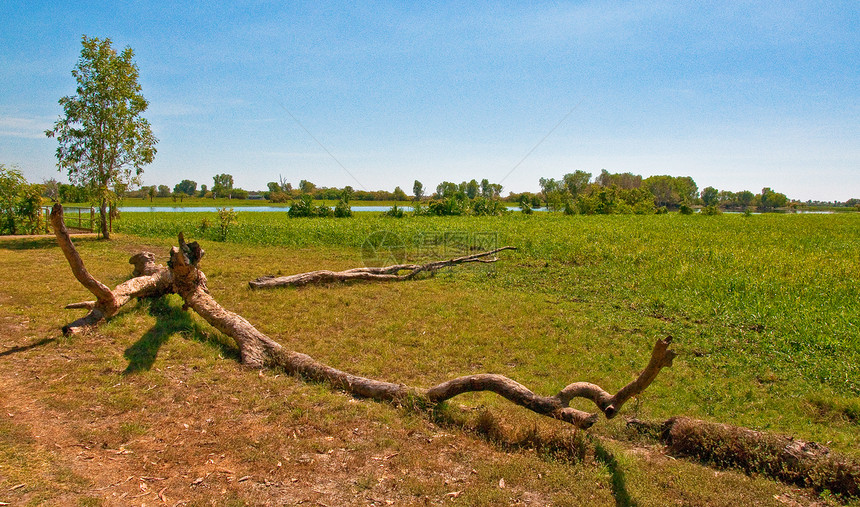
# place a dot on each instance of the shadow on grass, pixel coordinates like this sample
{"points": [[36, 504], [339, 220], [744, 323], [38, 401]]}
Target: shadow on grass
{"points": [[170, 319], [22, 348], [618, 481], [34, 243]]}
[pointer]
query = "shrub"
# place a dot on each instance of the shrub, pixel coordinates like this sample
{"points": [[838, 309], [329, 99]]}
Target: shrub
{"points": [[685, 209], [323, 211], [711, 210], [394, 212], [226, 218], [301, 207], [569, 209], [525, 204], [450, 206], [342, 209], [482, 206]]}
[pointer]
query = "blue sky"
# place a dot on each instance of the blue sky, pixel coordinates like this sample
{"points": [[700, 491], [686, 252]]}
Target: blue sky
{"points": [[738, 95]]}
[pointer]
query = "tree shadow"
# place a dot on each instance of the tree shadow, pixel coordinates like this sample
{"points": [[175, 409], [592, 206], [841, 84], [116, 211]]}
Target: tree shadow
{"points": [[170, 319], [35, 243], [22, 348], [617, 479]]}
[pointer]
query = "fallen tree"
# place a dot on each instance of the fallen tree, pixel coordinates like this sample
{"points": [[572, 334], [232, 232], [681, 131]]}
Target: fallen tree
{"points": [[150, 280], [378, 274], [781, 457], [257, 350]]}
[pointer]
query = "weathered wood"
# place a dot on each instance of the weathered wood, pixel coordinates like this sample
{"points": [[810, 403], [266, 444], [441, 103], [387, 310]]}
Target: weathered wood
{"points": [[150, 280], [378, 274]]}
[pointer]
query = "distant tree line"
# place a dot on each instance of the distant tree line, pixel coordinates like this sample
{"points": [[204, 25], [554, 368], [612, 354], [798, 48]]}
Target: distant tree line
{"points": [[608, 193], [573, 193]]}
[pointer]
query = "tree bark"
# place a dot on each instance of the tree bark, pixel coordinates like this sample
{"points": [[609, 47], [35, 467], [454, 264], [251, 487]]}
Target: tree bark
{"points": [[103, 219], [379, 274], [150, 280]]}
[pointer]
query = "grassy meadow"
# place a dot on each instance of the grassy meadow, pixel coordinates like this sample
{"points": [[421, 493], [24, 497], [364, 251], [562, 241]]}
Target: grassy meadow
{"points": [[764, 311]]}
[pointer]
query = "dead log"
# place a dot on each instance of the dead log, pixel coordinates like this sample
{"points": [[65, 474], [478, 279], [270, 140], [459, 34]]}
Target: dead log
{"points": [[150, 280], [378, 274], [258, 350], [781, 457]]}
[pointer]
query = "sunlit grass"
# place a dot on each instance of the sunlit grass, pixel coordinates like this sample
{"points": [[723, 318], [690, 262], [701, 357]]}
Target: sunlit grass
{"points": [[763, 308]]}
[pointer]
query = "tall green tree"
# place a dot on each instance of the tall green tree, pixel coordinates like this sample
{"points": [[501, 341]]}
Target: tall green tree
{"points": [[103, 139], [222, 185], [577, 181], [770, 200], [472, 189], [188, 187], [11, 183], [710, 196], [417, 190]]}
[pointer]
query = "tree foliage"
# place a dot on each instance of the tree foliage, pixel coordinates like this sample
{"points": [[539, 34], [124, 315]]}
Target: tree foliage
{"points": [[20, 202], [187, 187], [222, 185], [103, 139]]}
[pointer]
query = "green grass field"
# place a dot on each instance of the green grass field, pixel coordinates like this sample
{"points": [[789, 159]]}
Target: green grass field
{"points": [[764, 310]]}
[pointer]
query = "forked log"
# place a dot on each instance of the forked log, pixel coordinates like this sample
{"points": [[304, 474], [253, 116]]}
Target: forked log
{"points": [[258, 350], [378, 274], [150, 280]]}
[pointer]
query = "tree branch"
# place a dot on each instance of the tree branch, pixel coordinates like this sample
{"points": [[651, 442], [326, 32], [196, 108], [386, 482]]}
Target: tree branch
{"points": [[149, 280], [379, 274]]}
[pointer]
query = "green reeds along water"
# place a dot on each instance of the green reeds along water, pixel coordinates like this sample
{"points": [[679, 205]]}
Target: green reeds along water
{"points": [[765, 309]]}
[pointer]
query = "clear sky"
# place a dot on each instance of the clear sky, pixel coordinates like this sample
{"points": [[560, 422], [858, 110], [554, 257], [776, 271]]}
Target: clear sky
{"points": [[738, 95]]}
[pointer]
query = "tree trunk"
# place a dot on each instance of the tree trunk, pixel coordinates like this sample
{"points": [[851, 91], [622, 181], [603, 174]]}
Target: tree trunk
{"points": [[781, 457], [103, 219], [258, 350]]}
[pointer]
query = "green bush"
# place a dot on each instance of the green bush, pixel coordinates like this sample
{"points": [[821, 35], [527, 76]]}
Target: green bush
{"points": [[20, 202], [482, 206], [342, 209], [394, 212], [323, 211], [301, 207], [226, 218]]}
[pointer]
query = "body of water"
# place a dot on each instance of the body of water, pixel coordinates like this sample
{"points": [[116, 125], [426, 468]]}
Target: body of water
{"points": [[241, 209], [238, 209]]}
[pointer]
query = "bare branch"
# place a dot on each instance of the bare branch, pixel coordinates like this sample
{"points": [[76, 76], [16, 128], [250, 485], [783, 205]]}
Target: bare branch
{"points": [[379, 274]]}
